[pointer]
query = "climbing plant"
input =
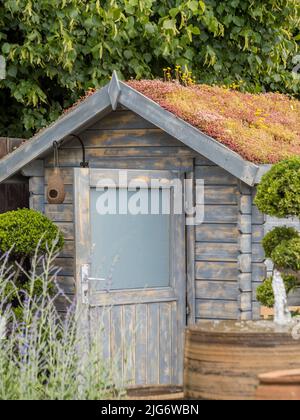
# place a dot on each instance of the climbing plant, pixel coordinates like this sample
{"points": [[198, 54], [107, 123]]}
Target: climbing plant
{"points": [[278, 195], [54, 51]]}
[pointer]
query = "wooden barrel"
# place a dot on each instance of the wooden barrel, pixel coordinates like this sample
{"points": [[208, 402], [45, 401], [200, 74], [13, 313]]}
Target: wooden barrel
{"points": [[155, 393], [223, 360], [279, 386]]}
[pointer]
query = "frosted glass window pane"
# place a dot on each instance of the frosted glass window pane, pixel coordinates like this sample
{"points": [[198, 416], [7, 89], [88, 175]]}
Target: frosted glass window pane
{"points": [[130, 251]]}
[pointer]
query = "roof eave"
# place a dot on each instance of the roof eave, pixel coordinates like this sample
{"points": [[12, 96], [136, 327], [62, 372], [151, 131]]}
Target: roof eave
{"points": [[107, 99], [95, 106]]}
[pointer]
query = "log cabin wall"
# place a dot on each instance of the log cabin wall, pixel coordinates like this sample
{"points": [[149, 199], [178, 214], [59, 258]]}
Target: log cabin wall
{"points": [[122, 140], [228, 262], [217, 247]]}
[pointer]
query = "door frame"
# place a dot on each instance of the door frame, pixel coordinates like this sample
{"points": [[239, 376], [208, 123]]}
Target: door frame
{"points": [[84, 180]]}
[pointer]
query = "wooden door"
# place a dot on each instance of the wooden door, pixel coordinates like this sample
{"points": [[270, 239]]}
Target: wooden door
{"points": [[131, 275]]}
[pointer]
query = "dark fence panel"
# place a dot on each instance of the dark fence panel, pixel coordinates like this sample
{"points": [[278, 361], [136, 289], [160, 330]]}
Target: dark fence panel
{"points": [[13, 196]]}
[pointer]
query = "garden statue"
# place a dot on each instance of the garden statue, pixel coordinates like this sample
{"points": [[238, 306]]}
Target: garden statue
{"points": [[279, 196]]}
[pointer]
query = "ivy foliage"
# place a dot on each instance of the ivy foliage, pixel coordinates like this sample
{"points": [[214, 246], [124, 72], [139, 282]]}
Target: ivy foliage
{"points": [[279, 191], [24, 231], [55, 51]]}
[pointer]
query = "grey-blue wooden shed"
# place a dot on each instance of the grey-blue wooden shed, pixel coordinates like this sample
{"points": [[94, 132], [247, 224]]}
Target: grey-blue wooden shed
{"points": [[142, 278]]}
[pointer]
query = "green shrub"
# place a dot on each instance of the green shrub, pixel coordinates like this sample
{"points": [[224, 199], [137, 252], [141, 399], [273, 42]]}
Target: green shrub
{"points": [[287, 255], [276, 236], [279, 191], [40, 357], [24, 231], [56, 50], [265, 294]]}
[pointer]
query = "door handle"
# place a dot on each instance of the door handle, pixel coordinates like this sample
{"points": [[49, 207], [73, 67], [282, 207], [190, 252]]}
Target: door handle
{"points": [[85, 283], [85, 270]]}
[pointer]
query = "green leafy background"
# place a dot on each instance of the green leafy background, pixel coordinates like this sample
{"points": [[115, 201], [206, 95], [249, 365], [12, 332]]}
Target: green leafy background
{"points": [[56, 50]]}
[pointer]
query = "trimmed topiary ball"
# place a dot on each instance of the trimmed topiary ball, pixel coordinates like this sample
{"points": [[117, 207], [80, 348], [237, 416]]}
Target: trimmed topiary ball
{"points": [[265, 293], [276, 236], [22, 231], [286, 256], [279, 191]]}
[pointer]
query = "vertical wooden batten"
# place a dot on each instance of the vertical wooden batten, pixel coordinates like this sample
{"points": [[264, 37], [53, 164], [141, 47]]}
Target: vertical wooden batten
{"points": [[245, 252], [190, 257]]}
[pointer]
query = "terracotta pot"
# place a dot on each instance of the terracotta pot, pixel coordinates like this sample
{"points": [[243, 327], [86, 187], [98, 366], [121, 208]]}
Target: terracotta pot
{"points": [[223, 360], [279, 386]]}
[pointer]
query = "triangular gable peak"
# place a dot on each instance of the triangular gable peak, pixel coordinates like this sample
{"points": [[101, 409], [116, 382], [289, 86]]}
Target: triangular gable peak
{"points": [[107, 100]]}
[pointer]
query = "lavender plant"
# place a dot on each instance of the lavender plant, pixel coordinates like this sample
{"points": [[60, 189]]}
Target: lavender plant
{"points": [[41, 356]]}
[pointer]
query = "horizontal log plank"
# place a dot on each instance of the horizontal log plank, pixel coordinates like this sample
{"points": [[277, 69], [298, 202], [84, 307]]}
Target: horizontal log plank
{"points": [[66, 266], [219, 195], [125, 162], [69, 157], [216, 252], [220, 214], [217, 290], [216, 309], [123, 139], [216, 271], [67, 229], [227, 233], [214, 175], [68, 250], [121, 120], [60, 212]]}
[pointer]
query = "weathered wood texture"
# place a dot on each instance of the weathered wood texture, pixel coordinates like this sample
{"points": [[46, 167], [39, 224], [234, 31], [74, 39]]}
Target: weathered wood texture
{"points": [[245, 252], [222, 362], [121, 140], [259, 272], [216, 248], [12, 195], [8, 145]]}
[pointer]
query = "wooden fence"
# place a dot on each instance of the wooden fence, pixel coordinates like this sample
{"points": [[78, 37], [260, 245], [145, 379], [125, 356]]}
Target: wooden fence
{"points": [[15, 193]]}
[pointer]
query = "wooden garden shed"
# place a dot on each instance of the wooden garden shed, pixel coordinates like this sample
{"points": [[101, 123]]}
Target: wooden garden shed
{"points": [[144, 277]]}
